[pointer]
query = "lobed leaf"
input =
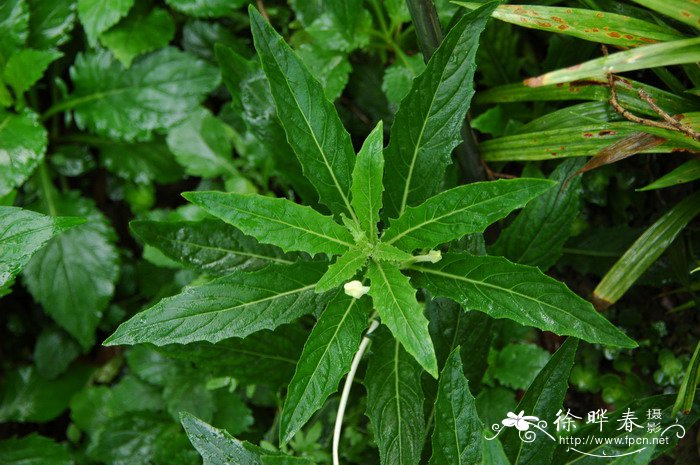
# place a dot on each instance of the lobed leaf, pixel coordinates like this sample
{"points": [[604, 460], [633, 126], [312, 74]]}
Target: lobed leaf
{"points": [[278, 222], [235, 305], [326, 358], [97, 16], [428, 122], [311, 122], [460, 211], [395, 401], [50, 23], [395, 301], [502, 289], [343, 270]]}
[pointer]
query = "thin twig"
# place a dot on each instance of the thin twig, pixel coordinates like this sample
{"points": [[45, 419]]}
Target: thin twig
{"points": [[261, 8]]}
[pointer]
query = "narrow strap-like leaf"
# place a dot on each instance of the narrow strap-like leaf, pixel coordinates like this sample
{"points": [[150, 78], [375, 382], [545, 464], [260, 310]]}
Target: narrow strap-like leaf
{"points": [[502, 289], [428, 122], [460, 211], [395, 401], [326, 357], [279, 222], [311, 122], [457, 435], [367, 182], [232, 306], [395, 300]]}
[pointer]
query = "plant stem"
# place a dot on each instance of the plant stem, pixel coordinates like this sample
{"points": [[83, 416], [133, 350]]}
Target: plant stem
{"points": [[346, 390], [47, 189], [429, 34]]}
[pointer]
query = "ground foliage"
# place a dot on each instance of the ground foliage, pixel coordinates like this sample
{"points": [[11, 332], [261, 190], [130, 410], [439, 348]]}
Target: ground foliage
{"points": [[187, 186]]}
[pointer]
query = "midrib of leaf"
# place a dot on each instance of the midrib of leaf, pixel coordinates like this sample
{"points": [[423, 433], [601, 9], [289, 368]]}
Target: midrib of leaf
{"points": [[483, 283], [325, 351], [318, 146], [450, 213], [243, 305], [275, 220], [235, 252], [398, 399]]}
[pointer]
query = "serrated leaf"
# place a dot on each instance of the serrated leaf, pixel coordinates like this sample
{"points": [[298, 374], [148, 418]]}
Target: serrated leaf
{"points": [[645, 250], [596, 26], [543, 399], [202, 145], [206, 8], [23, 233], [398, 78], [331, 67], [311, 122], [386, 252], [457, 435], [324, 361], [157, 92], [278, 222], [142, 162], [342, 270], [98, 16], [367, 182], [395, 301], [50, 23], [537, 235], [650, 56], [138, 33], [395, 401], [516, 365], [687, 172], [460, 211], [208, 245], [685, 12], [427, 124], [33, 450], [26, 67], [217, 446], [14, 28], [235, 305], [74, 275], [502, 289], [23, 142]]}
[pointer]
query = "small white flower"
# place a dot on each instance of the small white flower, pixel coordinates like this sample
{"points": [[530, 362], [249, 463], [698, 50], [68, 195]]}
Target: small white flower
{"points": [[520, 421], [433, 256], [355, 289]]}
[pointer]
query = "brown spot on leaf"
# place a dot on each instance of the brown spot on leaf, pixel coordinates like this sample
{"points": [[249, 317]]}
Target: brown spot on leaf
{"points": [[587, 134], [629, 36], [599, 15], [607, 132], [686, 14], [648, 40], [534, 82], [615, 35], [543, 24], [557, 19], [524, 20], [563, 27], [595, 29]]}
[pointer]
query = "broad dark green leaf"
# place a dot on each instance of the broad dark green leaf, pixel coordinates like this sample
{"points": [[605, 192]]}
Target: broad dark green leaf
{"points": [[326, 358], [502, 289], [543, 399], [460, 211], [596, 26], [264, 358], [157, 92], [206, 8], [395, 301], [311, 122], [141, 162], [342, 270], [33, 450], [14, 28], [687, 12], [209, 245], [398, 77], [537, 235], [217, 446], [202, 145], [23, 142], [516, 365], [645, 250], [50, 23], [22, 233], [54, 351], [428, 122], [139, 33], [687, 172], [278, 222], [26, 67], [98, 16], [457, 435], [235, 305], [284, 460], [367, 182], [74, 275], [395, 401], [650, 56]]}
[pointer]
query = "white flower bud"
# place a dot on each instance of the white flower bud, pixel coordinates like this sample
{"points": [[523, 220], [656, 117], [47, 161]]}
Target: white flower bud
{"points": [[355, 289], [433, 256]]}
